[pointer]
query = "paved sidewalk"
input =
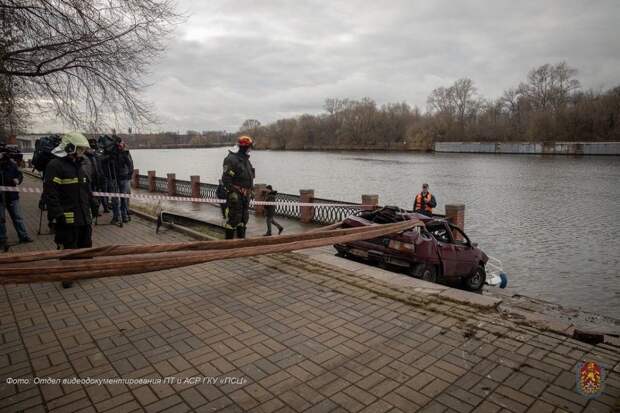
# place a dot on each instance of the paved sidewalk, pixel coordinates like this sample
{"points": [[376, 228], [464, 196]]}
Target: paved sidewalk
{"points": [[289, 333]]}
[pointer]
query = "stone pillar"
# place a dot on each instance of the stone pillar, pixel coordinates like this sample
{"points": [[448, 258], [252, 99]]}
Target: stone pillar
{"points": [[151, 181], [135, 179], [306, 213], [260, 193], [455, 213], [370, 200], [172, 184], [195, 179]]}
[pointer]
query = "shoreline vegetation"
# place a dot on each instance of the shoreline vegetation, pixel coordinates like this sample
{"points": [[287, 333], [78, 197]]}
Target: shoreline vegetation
{"points": [[549, 106]]}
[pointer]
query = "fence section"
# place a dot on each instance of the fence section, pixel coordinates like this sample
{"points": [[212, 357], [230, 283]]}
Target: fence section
{"points": [[287, 202]]}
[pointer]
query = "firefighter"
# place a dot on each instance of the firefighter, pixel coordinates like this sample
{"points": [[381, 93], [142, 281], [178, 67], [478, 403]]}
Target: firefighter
{"points": [[69, 197], [238, 180], [424, 202]]}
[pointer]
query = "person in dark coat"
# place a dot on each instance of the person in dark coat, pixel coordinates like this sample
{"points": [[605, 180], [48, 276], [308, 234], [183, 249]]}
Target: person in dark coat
{"points": [[10, 175], [69, 197], [270, 211], [238, 180], [125, 171]]}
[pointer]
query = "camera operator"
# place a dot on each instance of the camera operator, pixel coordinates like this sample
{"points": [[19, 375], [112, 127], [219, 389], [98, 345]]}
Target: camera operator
{"points": [[10, 175], [109, 158]]}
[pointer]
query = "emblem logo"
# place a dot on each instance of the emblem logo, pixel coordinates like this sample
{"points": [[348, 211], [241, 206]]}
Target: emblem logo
{"points": [[590, 379]]}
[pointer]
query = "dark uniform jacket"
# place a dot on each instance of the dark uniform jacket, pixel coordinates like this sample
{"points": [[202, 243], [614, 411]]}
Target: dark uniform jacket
{"points": [[125, 166], [9, 172], [238, 171], [68, 192]]}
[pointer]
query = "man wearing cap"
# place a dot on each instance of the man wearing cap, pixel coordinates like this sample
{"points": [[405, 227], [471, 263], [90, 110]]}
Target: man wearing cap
{"points": [[424, 202], [238, 181], [68, 192]]}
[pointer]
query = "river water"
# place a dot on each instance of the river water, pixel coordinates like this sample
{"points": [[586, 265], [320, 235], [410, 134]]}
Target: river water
{"points": [[552, 220]]}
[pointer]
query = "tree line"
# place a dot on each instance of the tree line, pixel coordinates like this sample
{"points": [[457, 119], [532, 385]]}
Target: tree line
{"points": [[549, 105]]}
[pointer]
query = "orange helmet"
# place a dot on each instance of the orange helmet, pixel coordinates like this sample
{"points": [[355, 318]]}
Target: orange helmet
{"points": [[245, 140]]}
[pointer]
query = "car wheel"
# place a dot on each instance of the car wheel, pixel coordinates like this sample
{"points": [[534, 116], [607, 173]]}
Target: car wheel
{"points": [[475, 281], [425, 272]]}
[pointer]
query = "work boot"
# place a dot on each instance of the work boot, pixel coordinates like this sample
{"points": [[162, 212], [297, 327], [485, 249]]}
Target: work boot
{"points": [[26, 240], [126, 219], [267, 234], [230, 233], [280, 230], [67, 284], [114, 221], [240, 232]]}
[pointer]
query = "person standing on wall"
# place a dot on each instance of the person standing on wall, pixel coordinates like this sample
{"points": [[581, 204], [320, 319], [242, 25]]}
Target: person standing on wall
{"points": [[270, 211], [238, 181], [424, 202], [69, 195]]}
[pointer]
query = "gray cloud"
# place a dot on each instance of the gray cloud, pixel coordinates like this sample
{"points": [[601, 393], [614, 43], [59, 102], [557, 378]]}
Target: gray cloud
{"points": [[234, 60]]}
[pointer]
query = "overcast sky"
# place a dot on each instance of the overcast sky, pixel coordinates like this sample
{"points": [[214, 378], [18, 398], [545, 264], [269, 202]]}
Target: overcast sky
{"points": [[234, 60]]}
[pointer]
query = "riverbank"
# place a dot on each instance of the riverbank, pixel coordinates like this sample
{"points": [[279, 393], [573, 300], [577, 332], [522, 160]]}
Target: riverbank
{"points": [[293, 331]]}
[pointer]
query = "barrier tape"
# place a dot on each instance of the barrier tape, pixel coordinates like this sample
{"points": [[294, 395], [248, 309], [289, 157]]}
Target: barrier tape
{"points": [[188, 199]]}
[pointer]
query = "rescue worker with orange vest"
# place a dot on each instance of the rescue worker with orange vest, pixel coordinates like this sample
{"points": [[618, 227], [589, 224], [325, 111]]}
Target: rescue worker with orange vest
{"points": [[238, 181], [69, 196], [424, 202]]}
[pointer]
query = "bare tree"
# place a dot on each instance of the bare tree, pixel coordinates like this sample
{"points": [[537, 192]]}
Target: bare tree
{"points": [[249, 125], [83, 59], [549, 86]]}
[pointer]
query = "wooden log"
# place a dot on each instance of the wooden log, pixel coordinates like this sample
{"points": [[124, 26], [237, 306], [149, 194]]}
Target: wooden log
{"points": [[116, 250], [76, 269]]}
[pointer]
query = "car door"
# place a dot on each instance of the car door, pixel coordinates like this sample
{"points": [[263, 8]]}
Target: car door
{"points": [[465, 260], [446, 248]]}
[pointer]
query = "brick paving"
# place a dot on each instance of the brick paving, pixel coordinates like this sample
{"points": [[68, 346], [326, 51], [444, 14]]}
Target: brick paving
{"points": [[296, 334]]}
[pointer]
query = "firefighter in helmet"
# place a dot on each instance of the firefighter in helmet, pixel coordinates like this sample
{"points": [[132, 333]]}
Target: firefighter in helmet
{"points": [[424, 202], [238, 180], [69, 196]]}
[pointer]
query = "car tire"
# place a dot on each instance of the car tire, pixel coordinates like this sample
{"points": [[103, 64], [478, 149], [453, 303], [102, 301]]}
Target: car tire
{"points": [[425, 272], [475, 281]]}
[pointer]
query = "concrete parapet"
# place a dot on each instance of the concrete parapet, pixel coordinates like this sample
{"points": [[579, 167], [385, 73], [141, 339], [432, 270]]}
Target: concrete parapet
{"points": [[370, 200], [151, 176], [171, 184], [306, 212]]}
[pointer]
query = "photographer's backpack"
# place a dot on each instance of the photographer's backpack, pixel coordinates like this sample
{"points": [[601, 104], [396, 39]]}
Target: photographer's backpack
{"points": [[43, 148]]}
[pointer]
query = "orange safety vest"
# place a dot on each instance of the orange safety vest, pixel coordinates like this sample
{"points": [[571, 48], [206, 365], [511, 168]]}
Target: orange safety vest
{"points": [[418, 202]]}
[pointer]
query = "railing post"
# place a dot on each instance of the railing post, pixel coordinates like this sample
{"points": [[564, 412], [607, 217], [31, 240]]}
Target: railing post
{"points": [[306, 213], [455, 214], [151, 181], [371, 200], [260, 193], [172, 184], [195, 179], [135, 179]]}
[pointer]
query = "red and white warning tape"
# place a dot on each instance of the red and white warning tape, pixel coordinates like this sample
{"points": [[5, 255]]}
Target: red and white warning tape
{"points": [[188, 199]]}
